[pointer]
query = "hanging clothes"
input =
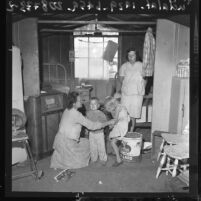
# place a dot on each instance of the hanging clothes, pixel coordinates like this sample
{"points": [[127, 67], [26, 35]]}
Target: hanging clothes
{"points": [[149, 53]]}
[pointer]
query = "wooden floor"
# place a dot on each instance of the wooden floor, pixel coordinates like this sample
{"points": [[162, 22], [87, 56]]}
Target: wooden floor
{"points": [[131, 177]]}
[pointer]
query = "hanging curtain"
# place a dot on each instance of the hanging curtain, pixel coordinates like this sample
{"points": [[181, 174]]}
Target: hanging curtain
{"points": [[149, 53]]}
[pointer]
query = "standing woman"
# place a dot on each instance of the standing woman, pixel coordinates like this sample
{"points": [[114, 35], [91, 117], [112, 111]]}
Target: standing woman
{"points": [[71, 151], [133, 86]]}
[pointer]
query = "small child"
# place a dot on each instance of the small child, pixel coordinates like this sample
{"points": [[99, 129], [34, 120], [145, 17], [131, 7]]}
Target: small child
{"points": [[120, 129], [96, 138]]}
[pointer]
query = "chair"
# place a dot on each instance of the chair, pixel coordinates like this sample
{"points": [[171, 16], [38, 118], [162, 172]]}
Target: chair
{"points": [[155, 137], [177, 159], [171, 139], [21, 136]]}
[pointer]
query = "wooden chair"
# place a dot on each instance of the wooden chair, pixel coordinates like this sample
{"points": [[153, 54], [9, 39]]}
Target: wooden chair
{"points": [[176, 157], [171, 139], [19, 135], [22, 137]]}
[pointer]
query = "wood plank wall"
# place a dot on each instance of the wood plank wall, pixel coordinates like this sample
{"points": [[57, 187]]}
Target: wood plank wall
{"points": [[135, 41], [25, 36], [172, 45], [55, 48]]}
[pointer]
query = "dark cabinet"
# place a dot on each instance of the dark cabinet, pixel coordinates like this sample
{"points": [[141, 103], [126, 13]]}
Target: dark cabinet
{"points": [[43, 117]]}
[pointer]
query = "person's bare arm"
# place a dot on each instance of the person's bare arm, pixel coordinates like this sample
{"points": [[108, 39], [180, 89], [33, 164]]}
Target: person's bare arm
{"points": [[121, 78]]}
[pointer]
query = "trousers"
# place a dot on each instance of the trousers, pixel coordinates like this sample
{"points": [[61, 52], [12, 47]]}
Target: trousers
{"points": [[97, 146]]}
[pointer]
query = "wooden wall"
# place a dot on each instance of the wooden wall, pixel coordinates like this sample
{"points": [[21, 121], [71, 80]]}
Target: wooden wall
{"points": [[25, 36], [172, 45], [55, 49], [132, 41]]}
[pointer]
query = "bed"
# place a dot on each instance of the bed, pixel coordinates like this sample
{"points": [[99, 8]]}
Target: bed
{"points": [[55, 78]]}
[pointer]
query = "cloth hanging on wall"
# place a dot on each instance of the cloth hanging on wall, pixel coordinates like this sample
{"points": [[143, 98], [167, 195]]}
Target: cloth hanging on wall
{"points": [[149, 52]]}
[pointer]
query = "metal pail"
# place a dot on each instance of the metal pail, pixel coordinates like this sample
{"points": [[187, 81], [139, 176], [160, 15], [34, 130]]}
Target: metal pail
{"points": [[131, 147]]}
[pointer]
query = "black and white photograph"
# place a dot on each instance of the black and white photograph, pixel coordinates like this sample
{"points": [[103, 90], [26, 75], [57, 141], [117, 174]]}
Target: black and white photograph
{"points": [[136, 70]]}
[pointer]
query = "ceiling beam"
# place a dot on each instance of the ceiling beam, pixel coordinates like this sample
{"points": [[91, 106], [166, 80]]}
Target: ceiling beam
{"points": [[62, 30], [93, 22]]}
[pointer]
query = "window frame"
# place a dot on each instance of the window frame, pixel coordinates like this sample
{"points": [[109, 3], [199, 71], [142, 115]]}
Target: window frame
{"points": [[88, 57]]}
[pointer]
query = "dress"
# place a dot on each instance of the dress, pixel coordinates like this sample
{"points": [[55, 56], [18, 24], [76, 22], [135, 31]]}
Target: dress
{"points": [[121, 127], [69, 152], [133, 88], [149, 53], [96, 138]]}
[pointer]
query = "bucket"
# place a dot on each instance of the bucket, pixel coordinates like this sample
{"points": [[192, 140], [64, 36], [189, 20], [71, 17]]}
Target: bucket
{"points": [[131, 147]]}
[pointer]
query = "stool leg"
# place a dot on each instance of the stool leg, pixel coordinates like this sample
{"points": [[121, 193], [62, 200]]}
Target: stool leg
{"points": [[32, 162], [163, 159], [161, 149], [168, 165], [174, 172]]}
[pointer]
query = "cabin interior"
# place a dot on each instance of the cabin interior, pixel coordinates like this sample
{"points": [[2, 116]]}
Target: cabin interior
{"points": [[58, 53]]}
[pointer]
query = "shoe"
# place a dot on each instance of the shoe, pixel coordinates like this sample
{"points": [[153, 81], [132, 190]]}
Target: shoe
{"points": [[116, 164]]}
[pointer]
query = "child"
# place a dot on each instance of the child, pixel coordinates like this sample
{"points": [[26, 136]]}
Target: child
{"points": [[96, 138], [120, 129]]}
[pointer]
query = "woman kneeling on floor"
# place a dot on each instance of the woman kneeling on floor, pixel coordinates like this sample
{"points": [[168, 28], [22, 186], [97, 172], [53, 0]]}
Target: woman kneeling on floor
{"points": [[71, 151]]}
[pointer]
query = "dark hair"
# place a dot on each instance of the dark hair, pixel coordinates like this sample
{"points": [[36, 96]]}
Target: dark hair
{"points": [[136, 52], [71, 99]]}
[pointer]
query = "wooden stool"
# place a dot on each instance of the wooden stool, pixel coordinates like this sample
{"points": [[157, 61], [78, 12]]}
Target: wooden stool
{"points": [[174, 154], [22, 137], [171, 139], [156, 134]]}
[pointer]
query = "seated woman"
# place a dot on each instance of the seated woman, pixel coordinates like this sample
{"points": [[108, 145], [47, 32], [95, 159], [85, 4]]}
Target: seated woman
{"points": [[71, 151]]}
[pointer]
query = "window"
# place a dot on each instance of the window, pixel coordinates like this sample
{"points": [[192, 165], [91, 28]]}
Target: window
{"points": [[89, 63]]}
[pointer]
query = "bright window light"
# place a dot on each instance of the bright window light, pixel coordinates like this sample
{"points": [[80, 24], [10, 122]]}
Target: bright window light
{"points": [[89, 63]]}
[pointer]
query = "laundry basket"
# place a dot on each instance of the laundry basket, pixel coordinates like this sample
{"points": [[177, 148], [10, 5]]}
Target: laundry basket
{"points": [[131, 147]]}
